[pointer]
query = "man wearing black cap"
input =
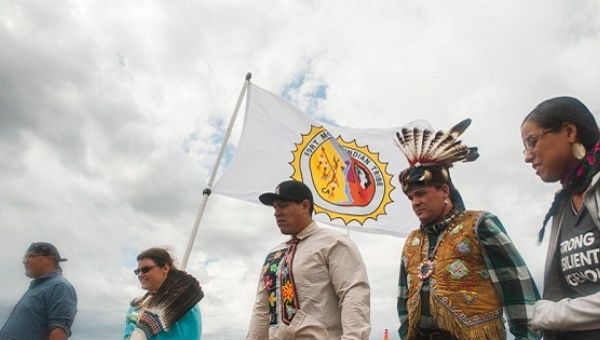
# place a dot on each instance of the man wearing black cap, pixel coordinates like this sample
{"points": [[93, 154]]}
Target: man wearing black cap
{"points": [[314, 286], [47, 309]]}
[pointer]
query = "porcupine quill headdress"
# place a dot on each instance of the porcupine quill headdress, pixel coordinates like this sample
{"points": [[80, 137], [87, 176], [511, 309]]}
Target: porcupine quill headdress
{"points": [[430, 154]]}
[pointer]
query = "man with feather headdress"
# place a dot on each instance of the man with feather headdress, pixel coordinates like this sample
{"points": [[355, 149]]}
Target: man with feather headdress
{"points": [[459, 269]]}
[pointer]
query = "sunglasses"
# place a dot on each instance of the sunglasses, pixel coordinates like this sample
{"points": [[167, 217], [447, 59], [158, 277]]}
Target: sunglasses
{"points": [[143, 270]]}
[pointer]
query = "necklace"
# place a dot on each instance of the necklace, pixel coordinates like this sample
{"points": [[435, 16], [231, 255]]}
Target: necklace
{"points": [[425, 269]]}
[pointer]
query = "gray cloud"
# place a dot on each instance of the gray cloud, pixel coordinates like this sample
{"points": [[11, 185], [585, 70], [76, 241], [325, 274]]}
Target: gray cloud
{"points": [[111, 114]]}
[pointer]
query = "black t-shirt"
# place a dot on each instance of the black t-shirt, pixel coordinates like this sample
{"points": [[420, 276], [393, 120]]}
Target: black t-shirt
{"points": [[579, 249]]}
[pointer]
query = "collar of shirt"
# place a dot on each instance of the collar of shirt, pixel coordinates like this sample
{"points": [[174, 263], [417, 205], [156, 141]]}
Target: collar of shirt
{"points": [[43, 278], [307, 231], [439, 226]]}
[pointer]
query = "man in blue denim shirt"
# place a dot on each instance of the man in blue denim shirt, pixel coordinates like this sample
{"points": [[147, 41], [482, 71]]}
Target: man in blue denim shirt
{"points": [[47, 309]]}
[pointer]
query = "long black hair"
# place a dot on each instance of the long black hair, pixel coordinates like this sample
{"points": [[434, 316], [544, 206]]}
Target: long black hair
{"points": [[552, 113]]}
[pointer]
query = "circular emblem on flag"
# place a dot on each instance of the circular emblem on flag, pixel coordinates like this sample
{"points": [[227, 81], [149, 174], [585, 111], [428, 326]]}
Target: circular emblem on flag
{"points": [[348, 180]]}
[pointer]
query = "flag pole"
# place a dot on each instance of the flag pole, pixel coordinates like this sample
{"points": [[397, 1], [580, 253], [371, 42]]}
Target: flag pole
{"points": [[206, 192]]}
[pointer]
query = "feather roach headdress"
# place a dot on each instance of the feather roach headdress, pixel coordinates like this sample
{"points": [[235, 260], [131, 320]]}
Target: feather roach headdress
{"points": [[430, 154]]}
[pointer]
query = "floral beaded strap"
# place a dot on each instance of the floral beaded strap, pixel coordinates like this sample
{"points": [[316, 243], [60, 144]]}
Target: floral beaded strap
{"points": [[280, 261], [269, 277], [289, 297]]}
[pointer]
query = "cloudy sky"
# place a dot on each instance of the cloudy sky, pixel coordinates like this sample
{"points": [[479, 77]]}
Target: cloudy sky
{"points": [[112, 112]]}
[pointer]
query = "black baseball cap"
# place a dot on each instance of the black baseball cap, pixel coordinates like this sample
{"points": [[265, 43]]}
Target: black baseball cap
{"points": [[45, 249], [291, 190]]}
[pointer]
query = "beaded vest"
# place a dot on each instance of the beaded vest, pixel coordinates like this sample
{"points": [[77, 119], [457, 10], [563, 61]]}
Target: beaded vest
{"points": [[462, 298]]}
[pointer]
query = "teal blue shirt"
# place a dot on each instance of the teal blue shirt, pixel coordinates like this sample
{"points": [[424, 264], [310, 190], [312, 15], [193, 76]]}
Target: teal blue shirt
{"points": [[189, 327]]}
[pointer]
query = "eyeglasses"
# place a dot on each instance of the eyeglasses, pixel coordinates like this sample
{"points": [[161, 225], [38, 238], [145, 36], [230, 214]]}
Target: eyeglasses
{"points": [[531, 141], [143, 270]]}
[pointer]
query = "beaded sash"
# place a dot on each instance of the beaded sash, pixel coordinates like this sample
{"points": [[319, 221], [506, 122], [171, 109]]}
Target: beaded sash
{"points": [[277, 274]]}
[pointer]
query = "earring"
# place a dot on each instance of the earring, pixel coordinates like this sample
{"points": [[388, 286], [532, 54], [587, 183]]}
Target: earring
{"points": [[578, 151], [445, 201]]}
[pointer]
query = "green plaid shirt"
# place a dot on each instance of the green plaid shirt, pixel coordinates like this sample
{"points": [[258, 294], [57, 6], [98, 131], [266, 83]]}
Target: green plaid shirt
{"points": [[508, 273]]}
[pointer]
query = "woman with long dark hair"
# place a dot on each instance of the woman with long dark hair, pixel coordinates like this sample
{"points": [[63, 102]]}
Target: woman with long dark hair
{"points": [[561, 139], [169, 310]]}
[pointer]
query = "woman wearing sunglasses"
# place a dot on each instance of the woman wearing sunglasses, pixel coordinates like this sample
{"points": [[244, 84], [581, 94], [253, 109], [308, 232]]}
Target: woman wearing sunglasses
{"points": [[561, 140], [169, 310]]}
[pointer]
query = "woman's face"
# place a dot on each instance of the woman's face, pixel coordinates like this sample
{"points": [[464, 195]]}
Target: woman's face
{"points": [[151, 276], [549, 150]]}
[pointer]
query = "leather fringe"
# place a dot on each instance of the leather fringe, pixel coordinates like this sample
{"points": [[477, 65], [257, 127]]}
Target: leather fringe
{"points": [[445, 319]]}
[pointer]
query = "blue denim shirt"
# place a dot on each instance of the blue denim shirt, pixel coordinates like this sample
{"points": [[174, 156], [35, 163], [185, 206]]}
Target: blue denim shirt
{"points": [[49, 302]]}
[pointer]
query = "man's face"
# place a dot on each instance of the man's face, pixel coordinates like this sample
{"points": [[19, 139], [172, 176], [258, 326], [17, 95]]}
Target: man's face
{"points": [[37, 265], [428, 202], [291, 217]]}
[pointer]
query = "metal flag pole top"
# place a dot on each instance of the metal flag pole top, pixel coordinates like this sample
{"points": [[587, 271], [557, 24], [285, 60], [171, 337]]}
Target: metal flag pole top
{"points": [[206, 192]]}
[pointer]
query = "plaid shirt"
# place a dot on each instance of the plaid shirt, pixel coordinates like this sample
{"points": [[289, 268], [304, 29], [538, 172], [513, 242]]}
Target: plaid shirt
{"points": [[508, 273]]}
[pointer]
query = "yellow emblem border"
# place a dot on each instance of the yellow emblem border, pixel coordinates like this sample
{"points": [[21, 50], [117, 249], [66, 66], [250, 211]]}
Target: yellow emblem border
{"points": [[388, 187]]}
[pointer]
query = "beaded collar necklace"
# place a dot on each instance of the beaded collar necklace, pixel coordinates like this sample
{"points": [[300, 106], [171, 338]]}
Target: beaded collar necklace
{"points": [[426, 267]]}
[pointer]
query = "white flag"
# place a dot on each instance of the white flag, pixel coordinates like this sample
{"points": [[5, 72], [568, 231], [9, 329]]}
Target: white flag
{"points": [[353, 173]]}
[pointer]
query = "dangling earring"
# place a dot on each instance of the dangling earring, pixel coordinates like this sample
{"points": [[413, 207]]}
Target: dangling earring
{"points": [[578, 150]]}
